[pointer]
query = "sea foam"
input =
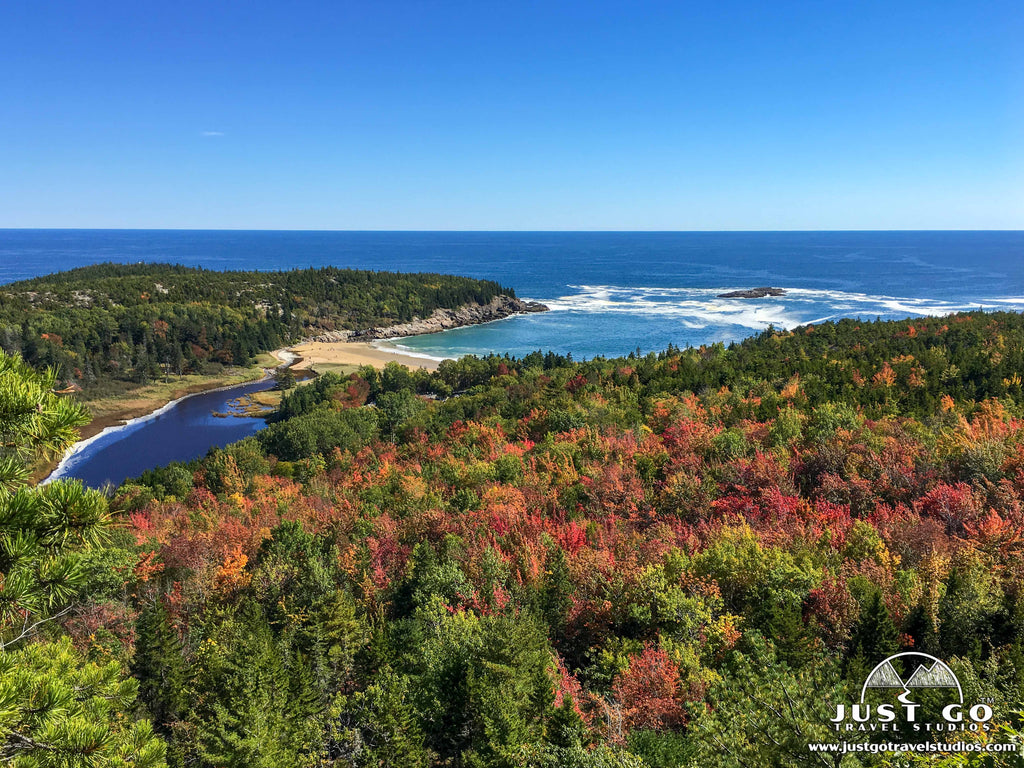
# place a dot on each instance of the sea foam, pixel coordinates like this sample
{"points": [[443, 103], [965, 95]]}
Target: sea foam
{"points": [[698, 308]]}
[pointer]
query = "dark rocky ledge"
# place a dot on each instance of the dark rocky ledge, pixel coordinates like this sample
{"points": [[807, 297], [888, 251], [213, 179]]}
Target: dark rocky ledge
{"points": [[441, 320], [753, 293]]}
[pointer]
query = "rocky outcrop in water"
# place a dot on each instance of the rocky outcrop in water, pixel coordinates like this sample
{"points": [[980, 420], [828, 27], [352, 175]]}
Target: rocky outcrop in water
{"points": [[442, 319], [753, 293]]}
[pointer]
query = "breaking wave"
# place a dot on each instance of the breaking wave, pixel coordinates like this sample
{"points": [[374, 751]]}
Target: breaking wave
{"points": [[699, 308]]}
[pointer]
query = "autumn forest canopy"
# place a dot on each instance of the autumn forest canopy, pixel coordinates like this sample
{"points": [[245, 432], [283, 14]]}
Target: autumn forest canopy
{"points": [[676, 559]]}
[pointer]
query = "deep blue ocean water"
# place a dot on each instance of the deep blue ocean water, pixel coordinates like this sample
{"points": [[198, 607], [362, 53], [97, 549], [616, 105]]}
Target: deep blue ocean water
{"points": [[610, 292]]}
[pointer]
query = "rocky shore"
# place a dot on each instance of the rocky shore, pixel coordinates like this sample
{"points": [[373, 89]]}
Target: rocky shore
{"points": [[441, 320], [753, 293]]}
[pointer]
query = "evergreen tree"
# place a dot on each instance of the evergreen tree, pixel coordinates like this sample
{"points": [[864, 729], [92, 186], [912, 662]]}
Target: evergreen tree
{"points": [[43, 531], [874, 637], [247, 717], [556, 590], [764, 714], [59, 711], [379, 726], [159, 667], [56, 710]]}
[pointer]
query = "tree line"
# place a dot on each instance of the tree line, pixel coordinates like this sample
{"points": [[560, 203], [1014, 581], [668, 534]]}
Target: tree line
{"points": [[130, 324]]}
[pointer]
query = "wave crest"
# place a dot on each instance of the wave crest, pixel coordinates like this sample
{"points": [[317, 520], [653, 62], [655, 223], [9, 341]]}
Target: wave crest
{"points": [[699, 308]]}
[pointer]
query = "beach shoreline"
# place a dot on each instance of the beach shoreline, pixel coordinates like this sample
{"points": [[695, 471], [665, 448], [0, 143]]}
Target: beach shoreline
{"points": [[316, 355]]}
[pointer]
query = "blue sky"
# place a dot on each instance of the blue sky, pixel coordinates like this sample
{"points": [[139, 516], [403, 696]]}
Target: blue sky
{"points": [[512, 115]]}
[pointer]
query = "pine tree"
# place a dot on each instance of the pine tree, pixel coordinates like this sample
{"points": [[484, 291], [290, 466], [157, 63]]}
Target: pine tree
{"points": [[43, 531], [55, 709], [340, 634], [556, 591], [379, 726], [874, 637], [159, 667], [306, 708], [59, 711], [246, 719]]}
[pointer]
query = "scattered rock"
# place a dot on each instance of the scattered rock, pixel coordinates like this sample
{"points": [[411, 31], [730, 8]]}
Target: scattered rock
{"points": [[753, 293]]}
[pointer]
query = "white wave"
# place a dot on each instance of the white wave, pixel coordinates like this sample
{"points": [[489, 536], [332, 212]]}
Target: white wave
{"points": [[389, 346], [698, 308], [694, 308]]}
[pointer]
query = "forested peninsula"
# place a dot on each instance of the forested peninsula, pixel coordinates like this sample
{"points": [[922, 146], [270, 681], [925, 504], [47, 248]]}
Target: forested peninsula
{"points": [[673, 560], [110, 328]]}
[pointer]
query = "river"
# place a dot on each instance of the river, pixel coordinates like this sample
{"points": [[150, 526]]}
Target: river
{"points": [[182, 430]]}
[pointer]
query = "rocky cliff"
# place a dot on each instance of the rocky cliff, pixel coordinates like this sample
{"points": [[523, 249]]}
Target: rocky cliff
{"points": [[442, 319]]}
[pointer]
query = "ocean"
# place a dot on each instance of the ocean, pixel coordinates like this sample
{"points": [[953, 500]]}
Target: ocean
{"points": [[610, 293]]}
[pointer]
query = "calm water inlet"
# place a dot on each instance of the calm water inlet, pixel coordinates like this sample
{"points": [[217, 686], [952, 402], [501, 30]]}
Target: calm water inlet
{"points": [[184, 431]]}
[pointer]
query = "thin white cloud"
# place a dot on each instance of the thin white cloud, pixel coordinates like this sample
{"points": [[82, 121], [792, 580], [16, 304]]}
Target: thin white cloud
{"points": [[213, 133]]}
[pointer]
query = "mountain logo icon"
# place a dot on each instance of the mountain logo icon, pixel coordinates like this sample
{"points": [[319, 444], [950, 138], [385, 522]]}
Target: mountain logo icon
{"points": [[927, 672]]}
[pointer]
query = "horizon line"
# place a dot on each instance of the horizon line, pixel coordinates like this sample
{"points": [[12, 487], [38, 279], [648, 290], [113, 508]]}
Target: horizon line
{"points": [[485, 231]]}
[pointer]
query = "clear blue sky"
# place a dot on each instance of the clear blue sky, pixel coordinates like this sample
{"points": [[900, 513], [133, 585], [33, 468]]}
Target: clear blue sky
{"points": [[512, 115]]}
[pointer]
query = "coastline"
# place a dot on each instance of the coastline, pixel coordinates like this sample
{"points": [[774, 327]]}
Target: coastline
{"points": [[139, 408], [328, 355], [499, 308], [348, 350]]}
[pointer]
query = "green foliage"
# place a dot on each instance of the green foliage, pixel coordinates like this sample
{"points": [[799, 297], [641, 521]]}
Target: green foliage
{"points": [[159, 665], [33, 420], [59, 711], [319, 431], [874, 637], [253, 707], [397, 407], [557, 563], [111, 324], [482, 684], [284, 378], [378, 725], [341, 634], [43, 531], [293, 574], [42, 534], [755, 580], [763, 713], [55, 709]]}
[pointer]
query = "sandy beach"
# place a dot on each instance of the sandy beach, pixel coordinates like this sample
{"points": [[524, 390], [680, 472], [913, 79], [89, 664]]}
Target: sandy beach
{"points": [[326, 355]]}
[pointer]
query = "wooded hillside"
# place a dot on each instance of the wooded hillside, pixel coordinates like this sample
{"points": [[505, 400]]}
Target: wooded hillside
{"points": [[681, 559], [135, 323]]}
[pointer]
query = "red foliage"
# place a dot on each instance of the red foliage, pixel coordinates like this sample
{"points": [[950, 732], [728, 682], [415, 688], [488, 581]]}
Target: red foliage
{"points": [[832, 611], [650, 692], [952, 505]]}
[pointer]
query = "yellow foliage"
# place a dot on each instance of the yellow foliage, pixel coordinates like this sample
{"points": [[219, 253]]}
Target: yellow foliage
{"points": [[792, 388], [231, 573], [885, 377]]}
